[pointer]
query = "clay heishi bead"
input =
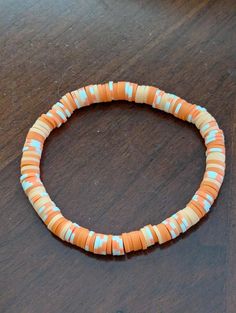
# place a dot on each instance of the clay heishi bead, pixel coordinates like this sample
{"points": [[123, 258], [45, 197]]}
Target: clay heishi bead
{"points": [[100, 244], [80, 98], [129, 90], [109, 244], [130, 242], [192, 215], [90, 234], [143, 240], [151, 95], [117, 245], [64, 229], [121, 90], [109, 91], [182, 221], [91, 242], [162, 232], [154, 235], [56, 224], [157, 99], [139, 98], [172, 227], [148, 235], [126, 242], [136, 241], [69, 232], [74, 227]]}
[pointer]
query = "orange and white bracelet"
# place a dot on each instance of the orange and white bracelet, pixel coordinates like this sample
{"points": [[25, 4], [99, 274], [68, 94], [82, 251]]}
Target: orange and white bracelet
{"points": [[147, 236]]}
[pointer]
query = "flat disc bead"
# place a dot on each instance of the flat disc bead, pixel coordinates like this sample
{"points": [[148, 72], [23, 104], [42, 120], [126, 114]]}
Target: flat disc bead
{"points": [[205, 195], [50, 216], [143, 240], [198, 208], [139, 98], [211, 183], [130, 242], [37, 190], [77, 234], [100, 244], [58, 108], [202, 120], [60, 112], [53, 220], [35, 136], [80, 98], [157, 99], [41, 201], [56, 224], [126, 242], [29, 169], [44, 119], [180, 219], [151, 95], [172, 227], [91, 243], [109, 245], [192, 215], [109, 91], [184, 110], [90, 234], [82, 237], [117, 245], [208, 189], [216, 169], [135, 87], [216, 156], [69, 102], [145, 94], [50, 120], [30, 157], [54, 118], [162, 101], [68, 233], [204, 203], [148, 235], [29, 161], [175, 105], [185, 215], [153, 233], [137, 244], [115, 91], [90, 94], [39, 131], [121, 90], [43, 127], [31, 153], [62, 228], [162, 232]]}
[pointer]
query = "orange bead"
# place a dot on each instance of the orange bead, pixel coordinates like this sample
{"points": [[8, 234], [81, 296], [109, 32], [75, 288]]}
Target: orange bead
{"points": [[109, 244]]}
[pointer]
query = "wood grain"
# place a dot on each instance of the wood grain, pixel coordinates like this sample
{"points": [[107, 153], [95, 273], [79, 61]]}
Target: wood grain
{"points": [[117, 166]]}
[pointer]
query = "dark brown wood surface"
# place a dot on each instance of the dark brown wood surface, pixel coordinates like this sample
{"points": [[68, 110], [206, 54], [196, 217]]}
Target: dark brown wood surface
{"points": [[117, 166]]}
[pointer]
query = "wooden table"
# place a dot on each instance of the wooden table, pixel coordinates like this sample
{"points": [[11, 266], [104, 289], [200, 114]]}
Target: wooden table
{"points": [[116, 166]]}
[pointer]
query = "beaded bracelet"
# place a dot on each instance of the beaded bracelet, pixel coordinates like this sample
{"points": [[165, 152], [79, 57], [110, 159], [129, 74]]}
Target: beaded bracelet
{"points": [[147, 236]]}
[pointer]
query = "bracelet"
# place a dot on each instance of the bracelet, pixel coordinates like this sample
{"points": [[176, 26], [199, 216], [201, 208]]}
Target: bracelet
{"points": [[147, 236]]}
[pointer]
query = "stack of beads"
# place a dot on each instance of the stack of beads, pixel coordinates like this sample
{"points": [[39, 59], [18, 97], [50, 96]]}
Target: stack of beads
{"points": [[147, 236]]}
